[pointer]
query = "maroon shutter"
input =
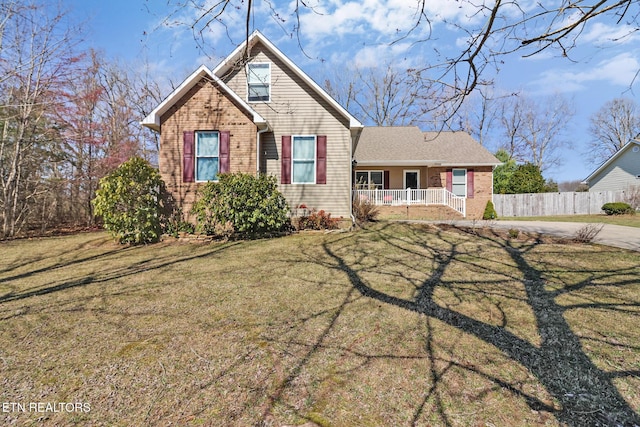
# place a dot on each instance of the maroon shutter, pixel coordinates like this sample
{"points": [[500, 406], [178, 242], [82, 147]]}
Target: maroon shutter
{"points": [[321, 158], [386, 180], [188, 156], [225, 137], [470, 189], [449, 180], [285, 173]]}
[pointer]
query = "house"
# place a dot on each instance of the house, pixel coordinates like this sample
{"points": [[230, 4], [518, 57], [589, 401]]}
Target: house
{"points": [[620, 172], [257, 112], [440, 168]]}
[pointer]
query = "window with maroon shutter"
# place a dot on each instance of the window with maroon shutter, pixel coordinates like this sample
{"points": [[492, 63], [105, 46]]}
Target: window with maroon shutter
{"points": [[304, 159], [207, 155], [225, 137], [188, 157], [321, 157], [470, 183], [449, 179], [386, 180], [285, 173], [458, 182]]}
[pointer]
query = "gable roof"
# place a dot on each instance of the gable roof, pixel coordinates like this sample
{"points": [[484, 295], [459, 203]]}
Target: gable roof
{"points": [[152, 121], [409, 146], [613, 158], [231, 61]]}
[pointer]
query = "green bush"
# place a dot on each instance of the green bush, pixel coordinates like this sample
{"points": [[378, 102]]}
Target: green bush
{"points": [[526, 178], [617, 208], [128, 200], [489, 211], [173, 223], [241, 203]]}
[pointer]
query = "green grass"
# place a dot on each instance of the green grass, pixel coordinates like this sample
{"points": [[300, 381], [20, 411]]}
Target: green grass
{"points": [[398, 324], [627, 220]]}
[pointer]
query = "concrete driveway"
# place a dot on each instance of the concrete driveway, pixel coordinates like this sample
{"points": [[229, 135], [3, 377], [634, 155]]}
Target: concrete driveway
{"points": [[610, 235]]}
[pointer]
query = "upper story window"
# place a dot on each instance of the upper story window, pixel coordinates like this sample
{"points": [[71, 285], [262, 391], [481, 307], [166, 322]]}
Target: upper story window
{"points": [[207, 155], [259, 81], [304, 160], [459, 182]]}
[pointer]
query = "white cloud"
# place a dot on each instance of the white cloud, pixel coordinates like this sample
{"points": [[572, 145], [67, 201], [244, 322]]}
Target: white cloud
{"points": [[619, 70], [374, 56], [375, 18], [600, 34]]}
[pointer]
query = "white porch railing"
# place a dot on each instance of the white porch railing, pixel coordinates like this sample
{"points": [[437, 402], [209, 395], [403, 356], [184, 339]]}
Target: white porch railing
{"points": [[428, 196]]}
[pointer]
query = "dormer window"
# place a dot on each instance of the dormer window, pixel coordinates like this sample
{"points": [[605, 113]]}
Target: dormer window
{"points": [[259, 81]]}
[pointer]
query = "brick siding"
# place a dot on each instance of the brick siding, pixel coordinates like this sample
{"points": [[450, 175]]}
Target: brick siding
{"points": [[204, 107]]}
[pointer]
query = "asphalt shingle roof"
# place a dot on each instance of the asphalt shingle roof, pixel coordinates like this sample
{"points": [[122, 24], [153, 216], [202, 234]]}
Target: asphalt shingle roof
{"points": [[396, 145]]}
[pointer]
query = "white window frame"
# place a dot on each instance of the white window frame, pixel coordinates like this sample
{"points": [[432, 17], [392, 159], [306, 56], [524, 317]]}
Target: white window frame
{"points": [[248, 69], [465, 181], [196, 157], [293, 158], [404, 177], [369, 182]]}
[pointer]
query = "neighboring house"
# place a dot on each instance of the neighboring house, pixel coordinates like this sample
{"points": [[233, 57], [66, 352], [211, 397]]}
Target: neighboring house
{"points": [[437, 165], [620, 172], [257, 112]]}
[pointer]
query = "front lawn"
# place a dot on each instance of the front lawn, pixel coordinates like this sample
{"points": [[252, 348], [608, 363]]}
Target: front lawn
{"points": [[400, 324]]}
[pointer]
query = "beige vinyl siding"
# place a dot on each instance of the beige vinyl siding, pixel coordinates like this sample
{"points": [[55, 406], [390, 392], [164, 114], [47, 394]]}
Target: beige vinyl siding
{"points": [[619, 175], [296, 109]]}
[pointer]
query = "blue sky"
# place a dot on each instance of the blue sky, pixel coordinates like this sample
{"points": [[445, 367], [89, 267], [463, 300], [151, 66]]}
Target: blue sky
{"points": [[338, 32]]}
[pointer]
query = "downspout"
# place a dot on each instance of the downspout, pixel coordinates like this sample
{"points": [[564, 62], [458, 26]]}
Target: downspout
{"points": [[351, 173], [353, 217], [493, 168], [260, 132]]}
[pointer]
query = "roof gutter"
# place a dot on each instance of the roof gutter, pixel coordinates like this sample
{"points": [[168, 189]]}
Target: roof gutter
{"points": [[429, 163]]}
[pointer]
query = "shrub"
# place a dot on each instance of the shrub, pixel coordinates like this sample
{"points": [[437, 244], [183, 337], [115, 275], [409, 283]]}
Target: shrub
{"points": [[587, 233], [617, 208], [489, 211], [527, 178], [128, 200], [241, 203], [317, 220], [364, 211], [514, 233], [173, 223]]}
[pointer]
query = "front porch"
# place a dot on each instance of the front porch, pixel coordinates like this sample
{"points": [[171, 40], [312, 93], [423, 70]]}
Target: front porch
{"points": [[410, 197]]}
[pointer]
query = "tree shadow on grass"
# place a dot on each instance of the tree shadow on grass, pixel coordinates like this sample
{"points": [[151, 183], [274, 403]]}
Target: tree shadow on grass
{"points": [[585, 393], [113, 273]]}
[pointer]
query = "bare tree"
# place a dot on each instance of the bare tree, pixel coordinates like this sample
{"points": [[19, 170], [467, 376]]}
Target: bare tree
{"points": [[512, 120], [612, 126], [492, 30], [145, 94], [36, 54], [534, 131], [99, 120], [380, 96], [479, 115]]}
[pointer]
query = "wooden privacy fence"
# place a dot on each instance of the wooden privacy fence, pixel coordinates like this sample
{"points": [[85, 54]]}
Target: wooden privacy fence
{"points": [[547, 204]]}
